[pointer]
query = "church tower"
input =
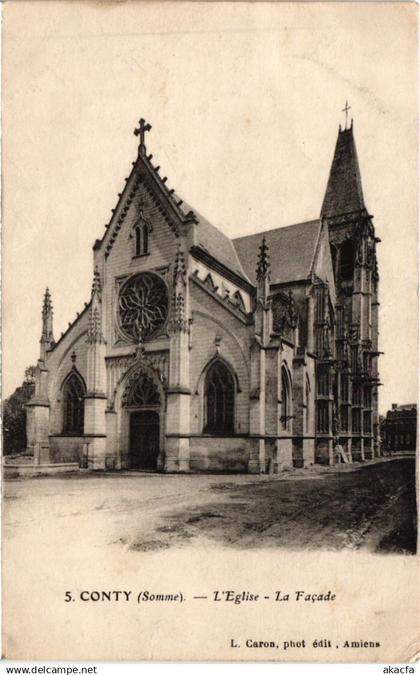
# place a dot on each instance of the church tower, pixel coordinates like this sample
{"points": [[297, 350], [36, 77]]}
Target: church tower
{"points": [[353, 250]]}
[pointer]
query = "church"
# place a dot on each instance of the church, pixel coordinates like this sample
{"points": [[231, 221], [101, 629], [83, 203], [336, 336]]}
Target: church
{"points": [[199, 353]]}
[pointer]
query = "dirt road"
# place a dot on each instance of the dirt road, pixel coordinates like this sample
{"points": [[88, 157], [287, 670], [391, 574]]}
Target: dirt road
{"points": [[362, 507]]}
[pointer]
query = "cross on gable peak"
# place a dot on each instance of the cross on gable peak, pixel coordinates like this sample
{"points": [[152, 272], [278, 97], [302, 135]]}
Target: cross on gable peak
{"points": [[141, 131]]}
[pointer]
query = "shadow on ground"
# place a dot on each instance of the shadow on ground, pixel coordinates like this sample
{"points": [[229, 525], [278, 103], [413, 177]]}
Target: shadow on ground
{"points": [[371, 508]]}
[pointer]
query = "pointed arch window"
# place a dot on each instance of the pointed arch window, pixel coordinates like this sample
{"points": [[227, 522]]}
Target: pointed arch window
{"points": [[142, 392], [219, 397], [74, 391], [285, 401], [141, 238]]}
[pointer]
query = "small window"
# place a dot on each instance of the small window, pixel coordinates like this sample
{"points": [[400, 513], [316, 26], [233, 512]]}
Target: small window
{"points": [[141, 239], [74, 405], [219, 394]]}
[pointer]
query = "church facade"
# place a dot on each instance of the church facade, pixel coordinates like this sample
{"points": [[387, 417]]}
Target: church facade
{"points": [[201, 353]]}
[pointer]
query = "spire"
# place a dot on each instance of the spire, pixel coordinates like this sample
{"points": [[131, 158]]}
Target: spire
{"points": [[263, 264], [344, 192]]}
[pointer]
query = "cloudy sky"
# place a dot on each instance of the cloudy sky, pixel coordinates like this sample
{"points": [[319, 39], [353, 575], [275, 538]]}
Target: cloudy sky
{"points": [[245, 102]]}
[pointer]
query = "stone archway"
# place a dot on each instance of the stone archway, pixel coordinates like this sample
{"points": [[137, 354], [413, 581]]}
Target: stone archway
{"points": [[142, 401]]}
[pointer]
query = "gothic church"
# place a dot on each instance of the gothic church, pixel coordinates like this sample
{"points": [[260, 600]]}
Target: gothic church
{"points": [[201, 353]]}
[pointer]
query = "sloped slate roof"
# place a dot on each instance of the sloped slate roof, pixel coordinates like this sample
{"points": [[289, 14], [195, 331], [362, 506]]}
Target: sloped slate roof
{"points": [[344, 192], [291, 250], [217, 244]]}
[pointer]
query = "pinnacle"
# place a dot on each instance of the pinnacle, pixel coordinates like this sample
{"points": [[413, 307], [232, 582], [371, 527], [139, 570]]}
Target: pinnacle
{"points": [[263, 264], [96, 285], [180, 269], [47, 304]]}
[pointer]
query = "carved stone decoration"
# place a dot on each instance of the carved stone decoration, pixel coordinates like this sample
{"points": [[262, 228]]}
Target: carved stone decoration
{"points": [[263, 264], [179, 322], [47, 313], [285, 315], [143, 306], [141, 390], [117, 368], [94, 334], [47, 337], [95, 327], [180, 271], [238, 302], [96, 283]]}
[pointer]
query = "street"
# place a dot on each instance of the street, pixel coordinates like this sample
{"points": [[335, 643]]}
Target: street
{"points": [[368, 507]]}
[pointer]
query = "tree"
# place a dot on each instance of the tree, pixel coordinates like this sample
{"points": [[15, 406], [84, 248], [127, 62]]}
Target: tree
{"points": [[14, 415]]}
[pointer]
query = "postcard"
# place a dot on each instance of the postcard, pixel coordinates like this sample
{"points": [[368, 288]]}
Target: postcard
{"points": [[210, 329]]}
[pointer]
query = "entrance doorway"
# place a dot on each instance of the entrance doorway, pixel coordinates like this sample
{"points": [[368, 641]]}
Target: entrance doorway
{"points": [[144, 439]]}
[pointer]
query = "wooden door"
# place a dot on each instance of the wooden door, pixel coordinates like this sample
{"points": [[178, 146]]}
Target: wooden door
{"points": [[144, 440]]}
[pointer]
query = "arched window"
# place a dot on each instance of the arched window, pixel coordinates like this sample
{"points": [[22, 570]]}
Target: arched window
{"points": [[137, 240], [219, 395], [143, 391], [141, 239], [145, 239], [285, 400], [73, 405]]}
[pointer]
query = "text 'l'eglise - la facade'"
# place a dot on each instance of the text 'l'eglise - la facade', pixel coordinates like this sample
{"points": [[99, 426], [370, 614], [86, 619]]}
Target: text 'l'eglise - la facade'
{"points": [[201, 353]]}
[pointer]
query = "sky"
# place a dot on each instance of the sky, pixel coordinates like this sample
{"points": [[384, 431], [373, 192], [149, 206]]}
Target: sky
{"points": [[244, 99]]}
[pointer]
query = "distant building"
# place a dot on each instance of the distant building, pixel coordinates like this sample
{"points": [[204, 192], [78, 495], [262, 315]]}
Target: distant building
{"points": [[400, 427]]}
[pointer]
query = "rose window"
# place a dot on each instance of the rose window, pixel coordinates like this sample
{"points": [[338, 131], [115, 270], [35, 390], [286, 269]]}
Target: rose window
{"points": [[143, 306]]}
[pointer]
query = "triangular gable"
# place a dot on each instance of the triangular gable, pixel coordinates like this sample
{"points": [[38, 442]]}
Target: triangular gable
{"points": [[237, 301], [208, 281], [165, 200]]}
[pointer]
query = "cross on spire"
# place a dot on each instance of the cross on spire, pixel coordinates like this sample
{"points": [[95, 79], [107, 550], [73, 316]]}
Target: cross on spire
{"points": [[141, 131], [345, 110]]}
